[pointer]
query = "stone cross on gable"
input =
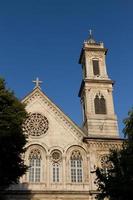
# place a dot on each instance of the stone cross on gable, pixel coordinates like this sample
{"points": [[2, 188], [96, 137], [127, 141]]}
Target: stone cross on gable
{"points": [[37, 82]]}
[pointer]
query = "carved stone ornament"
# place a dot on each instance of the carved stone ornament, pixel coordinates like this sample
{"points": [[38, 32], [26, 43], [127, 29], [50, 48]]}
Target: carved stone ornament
{"points": [[36, 124], [105, 162], [56, 155], [35, 153]]}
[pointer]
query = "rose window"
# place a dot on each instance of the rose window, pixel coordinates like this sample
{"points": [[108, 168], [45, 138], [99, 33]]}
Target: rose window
{"points": [[36, 124]]}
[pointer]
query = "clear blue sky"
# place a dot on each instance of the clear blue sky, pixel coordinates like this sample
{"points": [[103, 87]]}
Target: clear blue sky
{"points": [[43, 38]]}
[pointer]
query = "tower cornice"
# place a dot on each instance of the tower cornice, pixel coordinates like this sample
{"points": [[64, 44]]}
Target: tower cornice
{"points": [[91, 48], [105, 81]]}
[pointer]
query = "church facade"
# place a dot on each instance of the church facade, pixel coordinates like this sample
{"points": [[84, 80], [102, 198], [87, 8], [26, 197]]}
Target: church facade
{"points": [[61, 156]]}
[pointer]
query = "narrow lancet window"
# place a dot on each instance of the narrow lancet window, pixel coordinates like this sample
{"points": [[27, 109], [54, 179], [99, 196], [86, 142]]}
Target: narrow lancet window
{"points": [[103, 105], [56, 172], [56, 157], [100, 105], [96, 69]]}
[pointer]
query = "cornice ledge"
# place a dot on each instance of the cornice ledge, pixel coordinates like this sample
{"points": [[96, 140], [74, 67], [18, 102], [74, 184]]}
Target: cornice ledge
{"points": [[99, 142], [53, 192], [108, 81], [102, 138]]}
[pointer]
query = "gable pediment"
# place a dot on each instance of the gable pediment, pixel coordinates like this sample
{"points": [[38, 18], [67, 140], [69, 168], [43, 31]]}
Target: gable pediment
{"points": [[37, 101]]}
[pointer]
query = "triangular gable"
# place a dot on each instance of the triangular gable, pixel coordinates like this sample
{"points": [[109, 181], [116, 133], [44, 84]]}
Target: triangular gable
{"points": [[37, 94]]}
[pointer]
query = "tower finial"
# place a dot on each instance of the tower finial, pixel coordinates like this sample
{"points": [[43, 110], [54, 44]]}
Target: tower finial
{"points": [[90, 39], [90, 31]]}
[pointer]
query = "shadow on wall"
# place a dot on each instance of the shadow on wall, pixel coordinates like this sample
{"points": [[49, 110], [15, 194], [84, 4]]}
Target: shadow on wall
{"points": [[17, 192]]}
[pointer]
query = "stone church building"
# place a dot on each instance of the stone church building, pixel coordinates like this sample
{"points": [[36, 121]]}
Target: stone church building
{"points": [[62, 157]]}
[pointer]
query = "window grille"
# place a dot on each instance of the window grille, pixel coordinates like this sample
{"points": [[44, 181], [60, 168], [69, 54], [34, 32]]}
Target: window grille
{"points": [[56, 172], [35, 166], [76, 167]]}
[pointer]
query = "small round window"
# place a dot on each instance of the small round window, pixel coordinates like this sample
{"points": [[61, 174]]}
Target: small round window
{"points": [[56, 155]]}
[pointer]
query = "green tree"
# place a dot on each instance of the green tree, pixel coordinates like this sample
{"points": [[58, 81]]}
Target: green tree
{"points": [[116, 182], [12, 139]]}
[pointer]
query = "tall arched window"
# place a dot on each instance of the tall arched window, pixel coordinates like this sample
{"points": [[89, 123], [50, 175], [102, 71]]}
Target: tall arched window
{"points": [[76, 167], [56, 172], [96, 70], [35, 166], [100, 105], [56, 158]]}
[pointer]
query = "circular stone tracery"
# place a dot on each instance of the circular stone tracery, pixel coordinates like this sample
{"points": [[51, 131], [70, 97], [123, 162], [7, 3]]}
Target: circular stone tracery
{"points": [[36, 124], [106, 163], [56, 155]]}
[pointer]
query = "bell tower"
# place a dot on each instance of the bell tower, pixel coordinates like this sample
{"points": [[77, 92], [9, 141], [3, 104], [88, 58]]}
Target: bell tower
{"points": [[99, 119]]}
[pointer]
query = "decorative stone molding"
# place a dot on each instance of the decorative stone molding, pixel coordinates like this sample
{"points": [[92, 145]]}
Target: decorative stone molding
{"points": [[35, 153], [104, 162], [107, 143], [56, 156]]}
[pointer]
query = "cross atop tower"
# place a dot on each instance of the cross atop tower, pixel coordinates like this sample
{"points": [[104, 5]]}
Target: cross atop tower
{"points": [[91, 39], [37, 82], [90, 32]]}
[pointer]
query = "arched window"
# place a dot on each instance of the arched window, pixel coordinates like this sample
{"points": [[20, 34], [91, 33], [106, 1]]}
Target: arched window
{"points": [[56, 158], [76, 167], [97, 104], [96, 70], [100, 105], [56, 172], [35, 166]]}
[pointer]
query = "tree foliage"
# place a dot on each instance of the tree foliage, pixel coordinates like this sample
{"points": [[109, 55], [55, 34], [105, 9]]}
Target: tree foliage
{"points": [[12, 139], [116, 183]]}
